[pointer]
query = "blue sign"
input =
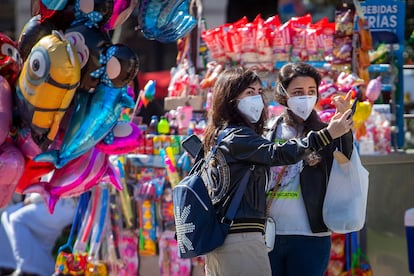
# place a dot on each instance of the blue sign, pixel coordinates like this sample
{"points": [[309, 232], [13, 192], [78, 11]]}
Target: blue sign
{"points": [[386, 20]]}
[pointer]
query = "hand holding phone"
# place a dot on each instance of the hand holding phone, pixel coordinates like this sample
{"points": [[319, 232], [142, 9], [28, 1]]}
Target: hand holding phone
{"points": [[192, 144]]}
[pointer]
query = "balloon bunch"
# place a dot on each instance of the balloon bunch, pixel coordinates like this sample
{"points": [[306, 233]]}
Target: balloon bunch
{"points": [[11, 159], [165, 21], [63, 87]]}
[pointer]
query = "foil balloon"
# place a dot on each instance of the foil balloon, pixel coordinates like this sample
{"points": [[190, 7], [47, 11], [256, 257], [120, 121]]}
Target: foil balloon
{"points": [[122, 11], [124, 138], [78, 176], [122, 67], [5, 109], [93, 13], [96, 114], [33, 171], [31, 33], [11, 169], [362, 112], [165, 21], [373, 90], [46, 86], [59, 12], [10, 60], [26, 144], [91, 44]]}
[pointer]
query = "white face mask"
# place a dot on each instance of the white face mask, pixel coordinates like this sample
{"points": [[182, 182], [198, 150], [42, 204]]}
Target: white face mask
{"points": [[302, 106], [251, 107]]}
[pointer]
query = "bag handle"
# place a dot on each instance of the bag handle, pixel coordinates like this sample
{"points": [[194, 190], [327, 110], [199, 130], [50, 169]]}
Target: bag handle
{"points": [[274, 190]]}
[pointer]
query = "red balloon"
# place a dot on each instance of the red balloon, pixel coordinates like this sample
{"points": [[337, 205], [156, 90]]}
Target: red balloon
{"points": [[33, 171]]}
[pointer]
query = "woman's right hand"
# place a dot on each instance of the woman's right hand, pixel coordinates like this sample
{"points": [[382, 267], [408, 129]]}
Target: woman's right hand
{"points": [[340, 124]]}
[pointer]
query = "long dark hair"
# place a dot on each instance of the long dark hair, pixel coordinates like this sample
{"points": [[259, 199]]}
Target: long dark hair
{"points": [[229, 85], [286, 74]]}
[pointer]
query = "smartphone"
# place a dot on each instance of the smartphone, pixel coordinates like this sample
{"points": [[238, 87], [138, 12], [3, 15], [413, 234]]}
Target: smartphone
{"points": [[353, 108], [192, 144]]}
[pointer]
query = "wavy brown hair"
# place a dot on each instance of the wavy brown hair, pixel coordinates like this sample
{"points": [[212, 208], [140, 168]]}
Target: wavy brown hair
{"points": [[287, 73], [229, 85]]}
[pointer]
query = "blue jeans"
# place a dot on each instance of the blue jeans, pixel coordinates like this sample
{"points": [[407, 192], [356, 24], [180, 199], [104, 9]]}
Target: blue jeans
{"points": [[295, 255]]}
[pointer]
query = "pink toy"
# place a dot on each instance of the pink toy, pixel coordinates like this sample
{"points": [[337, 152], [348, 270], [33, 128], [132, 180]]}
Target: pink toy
{"points": [[373, 90], [326, 92], [5, 108], [11, 169]]}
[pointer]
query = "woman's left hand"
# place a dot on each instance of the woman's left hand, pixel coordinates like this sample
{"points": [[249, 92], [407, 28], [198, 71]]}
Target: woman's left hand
{"points": [[342, 103]]}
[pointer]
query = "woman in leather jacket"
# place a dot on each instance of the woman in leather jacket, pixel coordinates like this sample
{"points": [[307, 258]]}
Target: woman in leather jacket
{"points": [[238, 106], [303, 242]]}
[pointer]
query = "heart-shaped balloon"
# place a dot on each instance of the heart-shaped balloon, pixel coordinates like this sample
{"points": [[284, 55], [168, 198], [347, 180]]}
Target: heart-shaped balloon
{"points": [[11, 170], [5, 109]]}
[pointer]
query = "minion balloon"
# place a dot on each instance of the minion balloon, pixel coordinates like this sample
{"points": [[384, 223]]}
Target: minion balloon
{"points": [[46, 86]]}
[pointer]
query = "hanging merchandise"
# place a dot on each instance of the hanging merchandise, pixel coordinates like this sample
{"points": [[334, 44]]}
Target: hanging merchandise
{"points": [[169, 262], [95, 266], [68, 263], [386, 22]]}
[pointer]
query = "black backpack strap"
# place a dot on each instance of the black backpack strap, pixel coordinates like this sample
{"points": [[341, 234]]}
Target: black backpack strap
{"points": [[235, 202]]}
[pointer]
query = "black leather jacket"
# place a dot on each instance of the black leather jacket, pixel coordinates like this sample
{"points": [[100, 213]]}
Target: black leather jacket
{"points": [[314, 179], [244, 148]]}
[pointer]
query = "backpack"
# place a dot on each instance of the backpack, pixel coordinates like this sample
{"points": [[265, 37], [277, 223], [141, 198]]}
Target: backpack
{"points": [[198, 228]]}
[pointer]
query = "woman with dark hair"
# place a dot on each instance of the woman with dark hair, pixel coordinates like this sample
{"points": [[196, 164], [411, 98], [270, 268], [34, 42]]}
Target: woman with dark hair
{"points": [[238, 107], [303, 242]]}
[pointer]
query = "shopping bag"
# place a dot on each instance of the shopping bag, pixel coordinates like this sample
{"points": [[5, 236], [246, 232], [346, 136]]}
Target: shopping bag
{"points": [[270, 233], [344, 207]]}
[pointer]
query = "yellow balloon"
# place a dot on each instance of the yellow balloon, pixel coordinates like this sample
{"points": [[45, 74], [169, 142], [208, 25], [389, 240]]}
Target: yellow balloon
{"points": [[47, 83], [362, 112]]}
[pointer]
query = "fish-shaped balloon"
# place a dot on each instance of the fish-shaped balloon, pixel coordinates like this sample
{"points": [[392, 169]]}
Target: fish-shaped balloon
{"points": [[46, 86], [78, 176], [96, 114]]}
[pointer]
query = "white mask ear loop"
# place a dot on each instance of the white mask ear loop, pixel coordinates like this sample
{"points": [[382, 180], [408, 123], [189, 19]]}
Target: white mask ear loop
{"points": [[283, 89]]}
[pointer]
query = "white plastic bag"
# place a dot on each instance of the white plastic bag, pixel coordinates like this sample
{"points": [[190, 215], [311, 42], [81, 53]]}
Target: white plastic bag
{"points": [[270, 233], [345, 204]]}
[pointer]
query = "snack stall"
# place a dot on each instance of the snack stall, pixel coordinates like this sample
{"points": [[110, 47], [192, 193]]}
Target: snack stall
{"points": [[349, 58], [127, 225]]}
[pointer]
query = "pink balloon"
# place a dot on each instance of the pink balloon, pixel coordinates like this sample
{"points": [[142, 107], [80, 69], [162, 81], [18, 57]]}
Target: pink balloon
{"points": [[374, 88], [122, 10], [127, 138], [26, 144], [112, 176], [75, 178], [5, 108], [11, 169]]}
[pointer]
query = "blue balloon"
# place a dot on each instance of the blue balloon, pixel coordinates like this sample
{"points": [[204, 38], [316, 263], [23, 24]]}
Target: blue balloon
{"points": [[94, 117], [165, 21], [56, 5]]}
